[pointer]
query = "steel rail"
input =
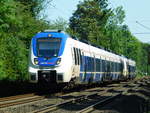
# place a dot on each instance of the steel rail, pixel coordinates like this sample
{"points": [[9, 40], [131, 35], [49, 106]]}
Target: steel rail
{"points": [[56, 106], [102, 102], [22, 101], [16, 97]]}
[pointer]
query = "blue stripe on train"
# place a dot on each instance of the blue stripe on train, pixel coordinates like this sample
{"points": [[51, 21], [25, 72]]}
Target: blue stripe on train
{"points": [[85, 77], [81, 77], [98, 77], [88, 76]]}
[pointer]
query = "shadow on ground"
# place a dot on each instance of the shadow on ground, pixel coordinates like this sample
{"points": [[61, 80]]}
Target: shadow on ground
{"points": [[9, 88], [127, 104]]}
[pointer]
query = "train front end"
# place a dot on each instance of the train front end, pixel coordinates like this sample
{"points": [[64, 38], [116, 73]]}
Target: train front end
{"points": [[45, 59]]}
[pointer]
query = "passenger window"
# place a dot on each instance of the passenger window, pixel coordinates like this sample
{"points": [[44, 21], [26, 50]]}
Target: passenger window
{"points": [[75, 56], [80, 57], [100, 62]]}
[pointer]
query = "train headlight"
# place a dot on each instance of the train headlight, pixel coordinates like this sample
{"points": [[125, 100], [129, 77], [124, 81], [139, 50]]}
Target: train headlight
{"points": [[36, 61], [58, 61]]}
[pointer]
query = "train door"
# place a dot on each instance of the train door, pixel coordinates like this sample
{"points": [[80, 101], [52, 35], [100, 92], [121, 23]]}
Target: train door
{"points": [[124, 69], [82, 67], [100, 70], [105, 69], [129, 70], [85, 67], [108, 69], [121, 69], [94, 66], [76, 66]]}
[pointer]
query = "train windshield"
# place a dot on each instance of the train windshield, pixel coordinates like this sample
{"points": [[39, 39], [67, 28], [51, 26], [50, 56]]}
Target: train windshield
{"points": [[48, 47]]}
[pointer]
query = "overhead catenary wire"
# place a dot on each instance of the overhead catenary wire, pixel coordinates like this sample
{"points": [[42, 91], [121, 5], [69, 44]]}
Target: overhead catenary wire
{"points": [[60, 10], [143, 25], [142, 33]]}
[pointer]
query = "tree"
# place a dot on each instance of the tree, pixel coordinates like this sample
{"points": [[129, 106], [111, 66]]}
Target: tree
{"points": [[114, 30], [89, 20], [17, 26], [94, 22], [59, 23], [34, 6]]}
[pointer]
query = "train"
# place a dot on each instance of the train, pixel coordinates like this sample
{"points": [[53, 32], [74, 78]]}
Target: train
{"points": [[57, 58]]}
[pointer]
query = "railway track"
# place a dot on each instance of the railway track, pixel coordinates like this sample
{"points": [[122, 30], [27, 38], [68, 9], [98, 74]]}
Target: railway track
{"points": [[56, 107], [89, 100], [19, 99], [99, 103], [79, 104], [29, 98], [16, 97], [80, 101]]}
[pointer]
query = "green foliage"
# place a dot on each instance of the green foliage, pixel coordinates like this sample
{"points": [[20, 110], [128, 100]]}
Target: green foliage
{"points": [[13, 54], [94, 22], [59, 23], [34, 6], [17, 26], [89, 20]]}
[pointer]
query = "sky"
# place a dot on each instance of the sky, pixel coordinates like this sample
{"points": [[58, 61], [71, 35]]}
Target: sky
{"points": [[137, 14]]}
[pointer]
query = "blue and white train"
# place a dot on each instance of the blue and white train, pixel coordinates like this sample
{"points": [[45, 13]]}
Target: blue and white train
{"points": [[55, 57]]}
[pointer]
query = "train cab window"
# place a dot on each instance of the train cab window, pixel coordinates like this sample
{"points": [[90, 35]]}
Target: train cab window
{"points": [[48, 47]]}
